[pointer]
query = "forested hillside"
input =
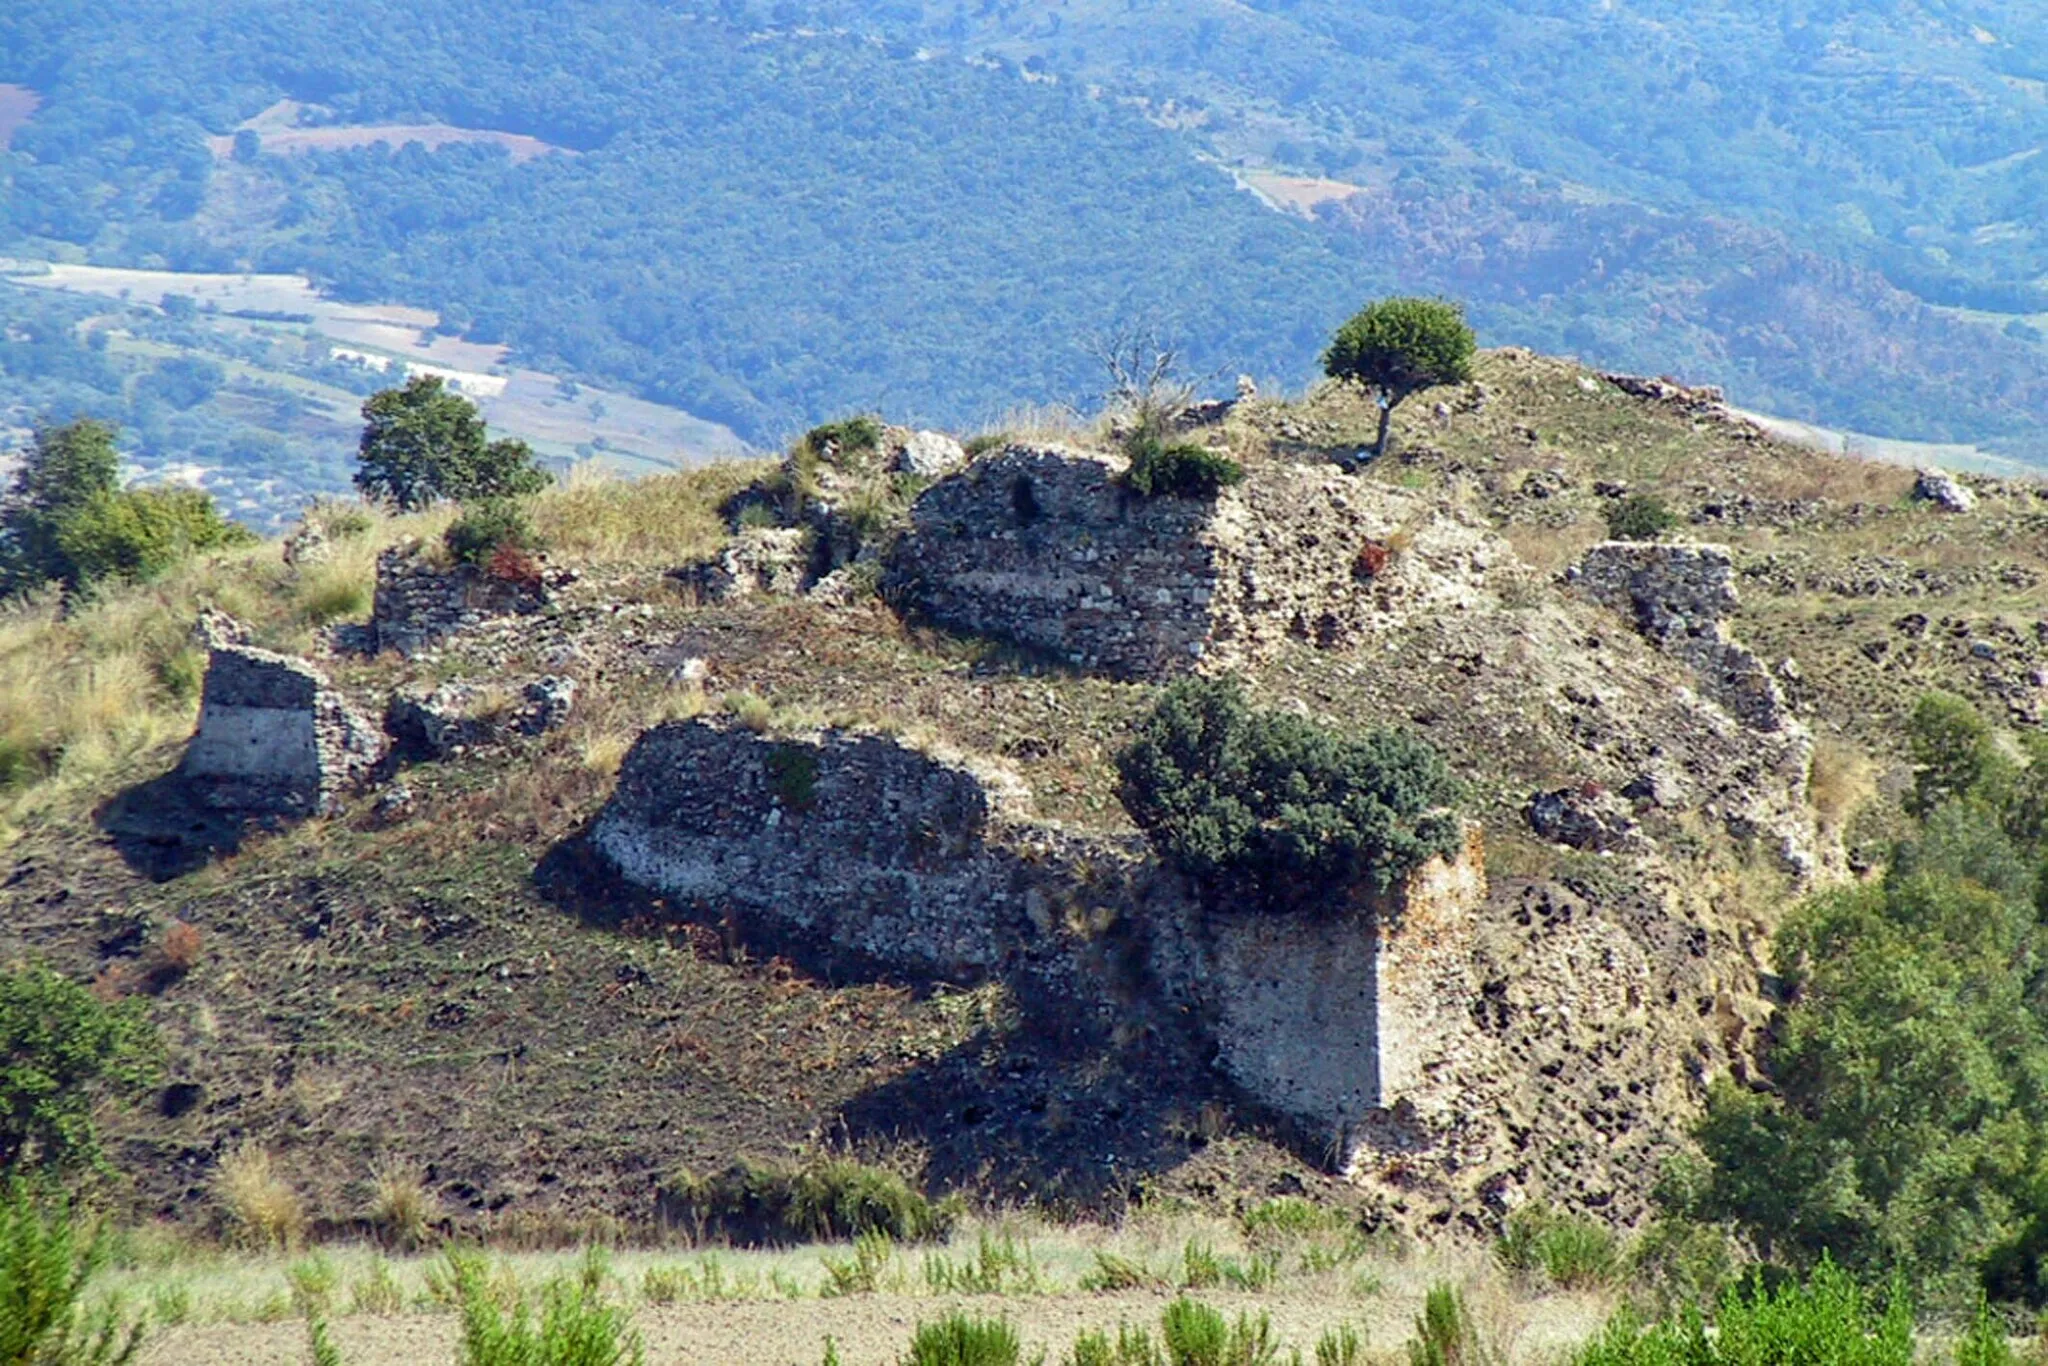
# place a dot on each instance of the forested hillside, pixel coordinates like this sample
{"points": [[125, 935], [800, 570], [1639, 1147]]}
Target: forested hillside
{"points": [[769, 213]]}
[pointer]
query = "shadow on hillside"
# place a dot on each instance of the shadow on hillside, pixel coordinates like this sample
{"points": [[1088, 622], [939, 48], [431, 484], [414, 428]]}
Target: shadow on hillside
{"points": [[1058, 1107], [162, 832]]}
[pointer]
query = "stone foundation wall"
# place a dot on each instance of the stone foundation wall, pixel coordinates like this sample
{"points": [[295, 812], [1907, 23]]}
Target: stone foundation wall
{"points": [[1046, 547], [274, 738]]}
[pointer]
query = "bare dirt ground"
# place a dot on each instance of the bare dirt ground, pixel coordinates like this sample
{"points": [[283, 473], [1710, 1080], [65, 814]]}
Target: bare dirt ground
{"points": [[18, 104], [1298, 194], [281, 134], [868, 1330]]}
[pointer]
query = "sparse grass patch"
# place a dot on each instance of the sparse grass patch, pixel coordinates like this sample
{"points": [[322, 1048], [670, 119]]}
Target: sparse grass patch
{"points": [[664, 520], [1574, 1252]]}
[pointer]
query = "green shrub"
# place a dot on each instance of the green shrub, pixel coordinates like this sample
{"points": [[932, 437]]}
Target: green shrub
{"points": [[1828, 1321], [1574, 1252], [1394, 347], [60, 1047], [1639, 517], [1269, 805], [141, 534], [1132, 1347], [575, 1327], [1340, 1346], [825, 1200], [860, 1274], [847, 442], [998, 1267], [485, 527], [1112, 1272], [977, 446], [1952, 748], [793, 773], [1196, 1335], [1986, 1343], [1289, 1218], [47, 1263], [1182, 470], [1445, 1334], [957, 1340]]}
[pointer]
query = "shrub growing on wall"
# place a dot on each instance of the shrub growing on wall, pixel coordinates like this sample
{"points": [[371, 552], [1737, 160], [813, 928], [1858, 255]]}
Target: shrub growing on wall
{"points": [[1268, 807]]}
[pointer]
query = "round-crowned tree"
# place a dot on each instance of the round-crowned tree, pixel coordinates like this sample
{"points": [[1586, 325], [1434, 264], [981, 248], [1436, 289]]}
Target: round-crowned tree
{"points": [[1262, 807], [422, 443], [1397, 346]]}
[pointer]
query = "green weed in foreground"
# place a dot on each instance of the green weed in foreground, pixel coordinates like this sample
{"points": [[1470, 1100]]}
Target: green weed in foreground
{"points": [[1445, 1334], [576, 1327], [1829, 1321], [958, 1340], [1197, 1335], [47, 1262]]}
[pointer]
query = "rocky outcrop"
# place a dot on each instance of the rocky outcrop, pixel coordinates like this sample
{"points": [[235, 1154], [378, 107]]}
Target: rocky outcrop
{"points": [[274, 738], [1047, 547], [928, 455], [1596, 821], [1680, 598], [772, 561], [1944, 490]]}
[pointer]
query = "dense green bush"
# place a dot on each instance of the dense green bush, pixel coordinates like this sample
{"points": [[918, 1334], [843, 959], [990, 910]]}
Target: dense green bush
{"points": [[961, 1340], [822, 1200], [1900, 1132], [1828, 1321], [68, 520], [849, 442], [47, 1263], [1196, 1335], [61, 1048], [1639, 517], [1180, 470], [487, 527], [1267, 804], [422, 443]]}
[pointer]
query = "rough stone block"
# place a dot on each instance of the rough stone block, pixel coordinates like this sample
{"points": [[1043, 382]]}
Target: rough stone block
{"points": [[274, 738]]}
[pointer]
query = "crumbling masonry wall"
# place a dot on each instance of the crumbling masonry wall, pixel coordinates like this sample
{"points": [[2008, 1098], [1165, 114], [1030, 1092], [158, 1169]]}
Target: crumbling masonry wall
{"points": [[928, 866], [274, 738]]}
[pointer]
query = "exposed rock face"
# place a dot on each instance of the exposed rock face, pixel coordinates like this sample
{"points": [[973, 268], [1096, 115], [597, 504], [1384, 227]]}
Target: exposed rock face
{"points": [[441, 721], [419, 603], [1945, 491], [1681, 597], [1046, 547], [759, 560], [930, 867], [1594, 821], [929, 455], [274, 739]]}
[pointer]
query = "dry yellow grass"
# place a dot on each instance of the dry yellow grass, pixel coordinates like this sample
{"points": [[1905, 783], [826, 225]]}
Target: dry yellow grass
{"points": [[662, 520], [1842, 779], [401, 1206], [261, 1207]]}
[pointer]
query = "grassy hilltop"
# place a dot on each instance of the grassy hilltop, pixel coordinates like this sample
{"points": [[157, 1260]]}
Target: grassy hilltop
{"points": [[436, 994]]}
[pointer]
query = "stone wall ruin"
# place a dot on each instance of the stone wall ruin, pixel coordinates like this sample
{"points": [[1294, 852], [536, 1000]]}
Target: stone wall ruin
{"points": [[274, 738], [928, 866], [1046, 547]]}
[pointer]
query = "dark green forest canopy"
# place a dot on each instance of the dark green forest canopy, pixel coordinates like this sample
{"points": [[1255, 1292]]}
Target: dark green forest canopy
{"points": [[770, 228]]}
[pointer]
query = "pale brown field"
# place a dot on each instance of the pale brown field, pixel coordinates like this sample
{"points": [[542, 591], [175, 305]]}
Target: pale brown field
{"points": [[18, 104]]}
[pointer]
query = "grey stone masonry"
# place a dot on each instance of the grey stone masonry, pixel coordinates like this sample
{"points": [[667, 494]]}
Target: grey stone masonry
{"points": [[274, 739], [1045, 546]]}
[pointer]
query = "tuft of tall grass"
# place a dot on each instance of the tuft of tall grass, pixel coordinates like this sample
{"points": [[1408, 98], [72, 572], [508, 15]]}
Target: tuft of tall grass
{"points": [[401, 1206], [263, 1210], [823, 1200]]}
